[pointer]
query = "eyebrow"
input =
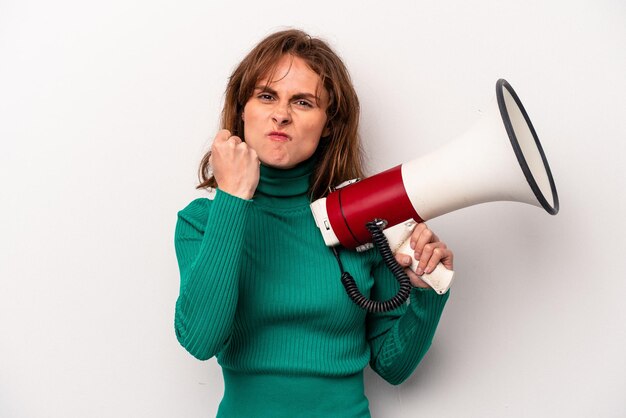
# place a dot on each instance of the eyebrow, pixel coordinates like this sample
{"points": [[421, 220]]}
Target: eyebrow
{"points": [[309, 96]]}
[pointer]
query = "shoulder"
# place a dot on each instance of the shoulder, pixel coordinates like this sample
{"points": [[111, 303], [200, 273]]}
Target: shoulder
{"points": [[197, 211], [217, 204], [201, 203]]}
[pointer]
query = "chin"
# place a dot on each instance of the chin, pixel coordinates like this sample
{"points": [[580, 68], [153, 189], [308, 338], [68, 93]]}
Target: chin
{"points": [[281, 165], [278, 162]]}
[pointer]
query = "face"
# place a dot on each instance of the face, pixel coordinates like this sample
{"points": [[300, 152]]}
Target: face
{"points": [[286, 116]]}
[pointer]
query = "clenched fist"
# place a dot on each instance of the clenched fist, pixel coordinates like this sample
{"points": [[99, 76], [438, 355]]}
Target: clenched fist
{"points": [[235, 165]]}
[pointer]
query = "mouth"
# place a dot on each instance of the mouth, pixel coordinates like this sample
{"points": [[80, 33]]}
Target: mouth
{"points": [[278, 136]]}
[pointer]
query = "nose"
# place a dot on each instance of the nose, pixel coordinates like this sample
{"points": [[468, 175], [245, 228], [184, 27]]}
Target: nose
{"points": [[281, 114]]}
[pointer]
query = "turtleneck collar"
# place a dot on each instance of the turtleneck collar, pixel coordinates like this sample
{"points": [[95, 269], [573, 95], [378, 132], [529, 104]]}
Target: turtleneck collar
{"points": [[285, 188]]}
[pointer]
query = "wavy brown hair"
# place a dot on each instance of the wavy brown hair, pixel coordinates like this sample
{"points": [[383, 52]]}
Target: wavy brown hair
{"points": [[339, 154]]}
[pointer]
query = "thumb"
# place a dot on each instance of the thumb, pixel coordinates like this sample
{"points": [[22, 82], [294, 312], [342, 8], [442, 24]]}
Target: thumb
{"points": [[403, 259]]}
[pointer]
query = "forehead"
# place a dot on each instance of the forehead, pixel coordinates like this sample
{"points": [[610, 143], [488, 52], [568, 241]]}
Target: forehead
{"points": [[293, 73]]}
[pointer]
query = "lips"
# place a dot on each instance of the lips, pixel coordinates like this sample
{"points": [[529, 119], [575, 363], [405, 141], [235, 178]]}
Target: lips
{"points": [[278, 136]]}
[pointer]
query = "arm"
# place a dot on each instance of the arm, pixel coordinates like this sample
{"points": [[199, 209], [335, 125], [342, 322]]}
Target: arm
{"points": [[209, 240], [399, 339], [209, 244]]}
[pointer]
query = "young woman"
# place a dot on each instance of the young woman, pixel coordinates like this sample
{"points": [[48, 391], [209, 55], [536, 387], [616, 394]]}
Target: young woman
{"points": [[259, 289]]}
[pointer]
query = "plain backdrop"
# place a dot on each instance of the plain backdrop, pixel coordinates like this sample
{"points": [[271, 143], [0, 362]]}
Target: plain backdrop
{"points": [[107, 107]]}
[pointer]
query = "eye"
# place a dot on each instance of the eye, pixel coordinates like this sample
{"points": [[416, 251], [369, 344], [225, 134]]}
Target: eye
{"points": [[303, 103], [265, 97]]}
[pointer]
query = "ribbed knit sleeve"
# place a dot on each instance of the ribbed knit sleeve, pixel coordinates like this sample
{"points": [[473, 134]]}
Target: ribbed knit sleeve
{"points": [[209, 239], [400, 338]]}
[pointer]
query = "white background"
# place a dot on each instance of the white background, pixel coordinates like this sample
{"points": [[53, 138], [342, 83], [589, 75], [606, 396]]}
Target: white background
{"points": [[107, 107]]}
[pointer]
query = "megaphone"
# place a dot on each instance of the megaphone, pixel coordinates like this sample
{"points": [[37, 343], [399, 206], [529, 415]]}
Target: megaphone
{"points": [[499, 159]]}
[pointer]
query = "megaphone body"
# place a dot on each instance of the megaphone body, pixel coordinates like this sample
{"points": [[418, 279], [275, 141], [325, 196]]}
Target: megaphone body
{"points": [[499, 159]]}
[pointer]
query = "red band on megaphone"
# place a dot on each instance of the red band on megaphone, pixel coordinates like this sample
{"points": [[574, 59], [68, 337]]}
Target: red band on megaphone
{"points": [[382, 196]]}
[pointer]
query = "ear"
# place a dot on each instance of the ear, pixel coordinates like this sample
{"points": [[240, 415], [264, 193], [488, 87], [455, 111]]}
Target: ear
{"points": [[243, 118]]}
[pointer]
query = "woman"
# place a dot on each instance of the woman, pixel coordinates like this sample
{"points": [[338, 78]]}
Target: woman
{"points": [[259, 289]]}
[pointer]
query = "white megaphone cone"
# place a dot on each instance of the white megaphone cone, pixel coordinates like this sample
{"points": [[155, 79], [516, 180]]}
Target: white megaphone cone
{"points": [[499, 159]]}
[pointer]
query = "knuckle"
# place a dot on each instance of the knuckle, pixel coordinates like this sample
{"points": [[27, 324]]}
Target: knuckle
{"points": [[223, 134]]}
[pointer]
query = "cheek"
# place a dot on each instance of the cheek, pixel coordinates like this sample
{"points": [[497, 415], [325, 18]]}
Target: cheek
{"points": [[312, 133], [251, 112], [316, 126], [251, 121], [313, 140]]}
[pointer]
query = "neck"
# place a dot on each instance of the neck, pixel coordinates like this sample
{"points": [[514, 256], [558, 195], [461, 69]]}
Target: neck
{"points": [[285, 187]]}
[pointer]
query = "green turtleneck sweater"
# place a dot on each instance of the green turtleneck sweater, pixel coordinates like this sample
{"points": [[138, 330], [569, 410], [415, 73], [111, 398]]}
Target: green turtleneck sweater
{"points": [[261, 291]]}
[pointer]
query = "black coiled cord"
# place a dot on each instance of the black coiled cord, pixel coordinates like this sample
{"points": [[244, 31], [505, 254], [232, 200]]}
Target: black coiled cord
{"points": [[375, 228]]}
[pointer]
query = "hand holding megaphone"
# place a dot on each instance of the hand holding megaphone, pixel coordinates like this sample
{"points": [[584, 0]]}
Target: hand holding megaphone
{"points": [[428, 260], [499, 159]]}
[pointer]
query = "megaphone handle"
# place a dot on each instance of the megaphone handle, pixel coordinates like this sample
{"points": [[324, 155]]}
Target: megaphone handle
{"points": [[440, 279]]}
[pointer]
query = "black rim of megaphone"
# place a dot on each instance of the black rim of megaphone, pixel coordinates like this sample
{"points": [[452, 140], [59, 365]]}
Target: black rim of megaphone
{"points": [[518, 151]]}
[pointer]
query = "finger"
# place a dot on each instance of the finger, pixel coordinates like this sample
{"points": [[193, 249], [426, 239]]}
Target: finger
{"points": [[219, 140], [416, 233], [430, 257], [222, 136], [236, 140], [425, 236], [448, 260], [416, 281], [249, 154], [439, 254], [422, 235], [404, 260], [227, 145]]}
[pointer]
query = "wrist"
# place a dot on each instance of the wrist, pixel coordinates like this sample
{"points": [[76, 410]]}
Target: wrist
{"points": [[245, 195]]}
